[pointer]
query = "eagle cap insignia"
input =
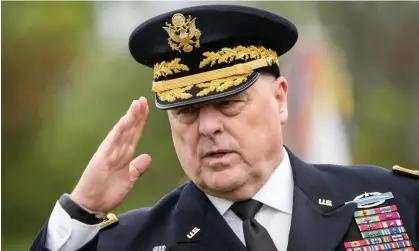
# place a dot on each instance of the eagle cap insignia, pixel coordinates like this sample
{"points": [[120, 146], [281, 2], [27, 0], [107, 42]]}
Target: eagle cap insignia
{"points": [[183, 34]]}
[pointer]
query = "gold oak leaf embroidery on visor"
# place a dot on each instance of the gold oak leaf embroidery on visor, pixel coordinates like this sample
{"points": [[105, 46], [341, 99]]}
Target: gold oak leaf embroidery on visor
{"points": [[228, 55], [167, 68], [220, 85], [217, 85], [217, 80], [178, 93]]}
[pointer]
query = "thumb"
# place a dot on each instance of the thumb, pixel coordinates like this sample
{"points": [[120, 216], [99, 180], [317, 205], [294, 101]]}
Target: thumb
{"points": [[138, 166]]}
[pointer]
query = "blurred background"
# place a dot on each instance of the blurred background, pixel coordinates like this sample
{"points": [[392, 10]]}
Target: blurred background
{"points": [[67, 77]]}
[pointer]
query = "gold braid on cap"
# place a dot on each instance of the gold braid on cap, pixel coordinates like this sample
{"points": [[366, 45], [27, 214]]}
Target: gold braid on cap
{"points": [[220, 79]]}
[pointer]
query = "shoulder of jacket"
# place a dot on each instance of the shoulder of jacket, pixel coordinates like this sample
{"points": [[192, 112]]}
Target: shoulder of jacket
{"points": [[369, 173], [344, 170], [401, 171]]}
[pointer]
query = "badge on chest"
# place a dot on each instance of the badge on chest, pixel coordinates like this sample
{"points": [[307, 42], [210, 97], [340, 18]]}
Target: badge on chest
{"points": [[381, 226]]}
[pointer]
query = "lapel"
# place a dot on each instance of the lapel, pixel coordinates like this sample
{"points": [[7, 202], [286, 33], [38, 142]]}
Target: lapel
{"points": [[315, 226], [195, 211]]}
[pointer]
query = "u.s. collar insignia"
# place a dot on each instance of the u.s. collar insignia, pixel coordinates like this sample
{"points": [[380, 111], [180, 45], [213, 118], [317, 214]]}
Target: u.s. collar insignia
{"points": [[372, 199], [182, 33], [193, 232], [159, 248]]}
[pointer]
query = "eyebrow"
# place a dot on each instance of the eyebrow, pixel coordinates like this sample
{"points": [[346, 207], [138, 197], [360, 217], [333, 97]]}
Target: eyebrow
{"points": [[243, 94]]}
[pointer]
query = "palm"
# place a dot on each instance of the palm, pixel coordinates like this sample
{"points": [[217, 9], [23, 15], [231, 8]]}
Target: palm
{"points": [[112, 172]]}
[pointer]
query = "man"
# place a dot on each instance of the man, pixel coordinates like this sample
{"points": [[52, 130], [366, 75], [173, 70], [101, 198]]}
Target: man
{"points": [[216, 71]]}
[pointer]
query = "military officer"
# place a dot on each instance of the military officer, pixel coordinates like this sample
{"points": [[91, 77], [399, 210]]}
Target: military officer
{"points": [[216, 72]]}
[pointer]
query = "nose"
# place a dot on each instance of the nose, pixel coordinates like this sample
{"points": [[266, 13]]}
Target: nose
{"points": [[210, 122]]}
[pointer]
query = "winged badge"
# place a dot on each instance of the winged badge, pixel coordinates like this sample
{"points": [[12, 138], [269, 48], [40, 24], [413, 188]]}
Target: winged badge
{"points": [[183, 33]]}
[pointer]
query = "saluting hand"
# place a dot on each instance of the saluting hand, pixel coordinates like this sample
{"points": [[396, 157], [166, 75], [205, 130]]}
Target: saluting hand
{"points": [[112, 172]]}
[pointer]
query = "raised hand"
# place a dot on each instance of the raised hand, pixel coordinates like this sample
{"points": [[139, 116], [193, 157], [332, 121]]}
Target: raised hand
{"points": [[112, 171]]}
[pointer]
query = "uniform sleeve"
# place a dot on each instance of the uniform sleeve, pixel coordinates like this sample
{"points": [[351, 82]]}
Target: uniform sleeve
{"points": [[66, 234]]}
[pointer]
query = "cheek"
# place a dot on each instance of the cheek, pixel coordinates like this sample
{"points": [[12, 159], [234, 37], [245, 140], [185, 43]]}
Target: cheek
{"points": [[185, 139], [262, 131]]}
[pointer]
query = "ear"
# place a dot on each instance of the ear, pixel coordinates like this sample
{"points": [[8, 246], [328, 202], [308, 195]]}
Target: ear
{"points": [[281, 92]]}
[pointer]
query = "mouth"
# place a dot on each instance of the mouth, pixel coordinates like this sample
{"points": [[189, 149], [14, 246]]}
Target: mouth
{"points": [[216, 154]]}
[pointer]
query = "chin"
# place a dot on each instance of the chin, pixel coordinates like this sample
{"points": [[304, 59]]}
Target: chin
{"points": [[224, 181]]}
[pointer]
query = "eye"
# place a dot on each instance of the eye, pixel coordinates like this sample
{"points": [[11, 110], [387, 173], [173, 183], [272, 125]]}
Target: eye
{"points": [[188, 114], [231, 107], [186, 110], [227, 103]]}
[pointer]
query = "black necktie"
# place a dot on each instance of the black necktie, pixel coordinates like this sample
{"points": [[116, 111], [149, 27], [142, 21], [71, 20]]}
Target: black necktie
{"points": [[255, 235]]}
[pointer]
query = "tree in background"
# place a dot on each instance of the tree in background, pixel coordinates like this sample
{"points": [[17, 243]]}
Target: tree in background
{"points": [[380, 42]]}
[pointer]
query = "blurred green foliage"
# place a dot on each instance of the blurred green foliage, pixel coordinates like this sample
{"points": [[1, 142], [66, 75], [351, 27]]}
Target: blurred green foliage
{"points": [[40, 41], [380, 43], [62, 91], [61, 95]]}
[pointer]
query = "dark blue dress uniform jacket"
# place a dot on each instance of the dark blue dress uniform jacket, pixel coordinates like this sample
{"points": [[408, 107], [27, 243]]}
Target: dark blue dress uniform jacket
{"points": [[314, 227]]}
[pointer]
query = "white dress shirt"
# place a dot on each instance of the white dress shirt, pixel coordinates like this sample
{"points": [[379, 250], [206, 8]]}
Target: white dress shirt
{"points": [[275, 214], [66, 234]]}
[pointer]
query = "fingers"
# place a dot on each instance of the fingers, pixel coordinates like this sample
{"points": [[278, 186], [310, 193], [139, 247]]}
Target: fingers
{"points": [[123, 131], [134, 116], [135, 112], [138, 166], [138, 130], [113, 136]]}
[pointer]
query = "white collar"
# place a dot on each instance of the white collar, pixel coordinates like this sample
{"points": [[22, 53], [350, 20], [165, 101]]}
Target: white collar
{"points": [[277, 192]]}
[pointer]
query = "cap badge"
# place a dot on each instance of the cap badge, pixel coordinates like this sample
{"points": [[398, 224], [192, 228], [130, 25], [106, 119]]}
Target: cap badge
{"points": [[182, 33]]}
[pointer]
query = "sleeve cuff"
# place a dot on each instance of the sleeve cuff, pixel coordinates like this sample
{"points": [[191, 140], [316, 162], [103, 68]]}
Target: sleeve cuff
{"points": [[65, 233]]}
